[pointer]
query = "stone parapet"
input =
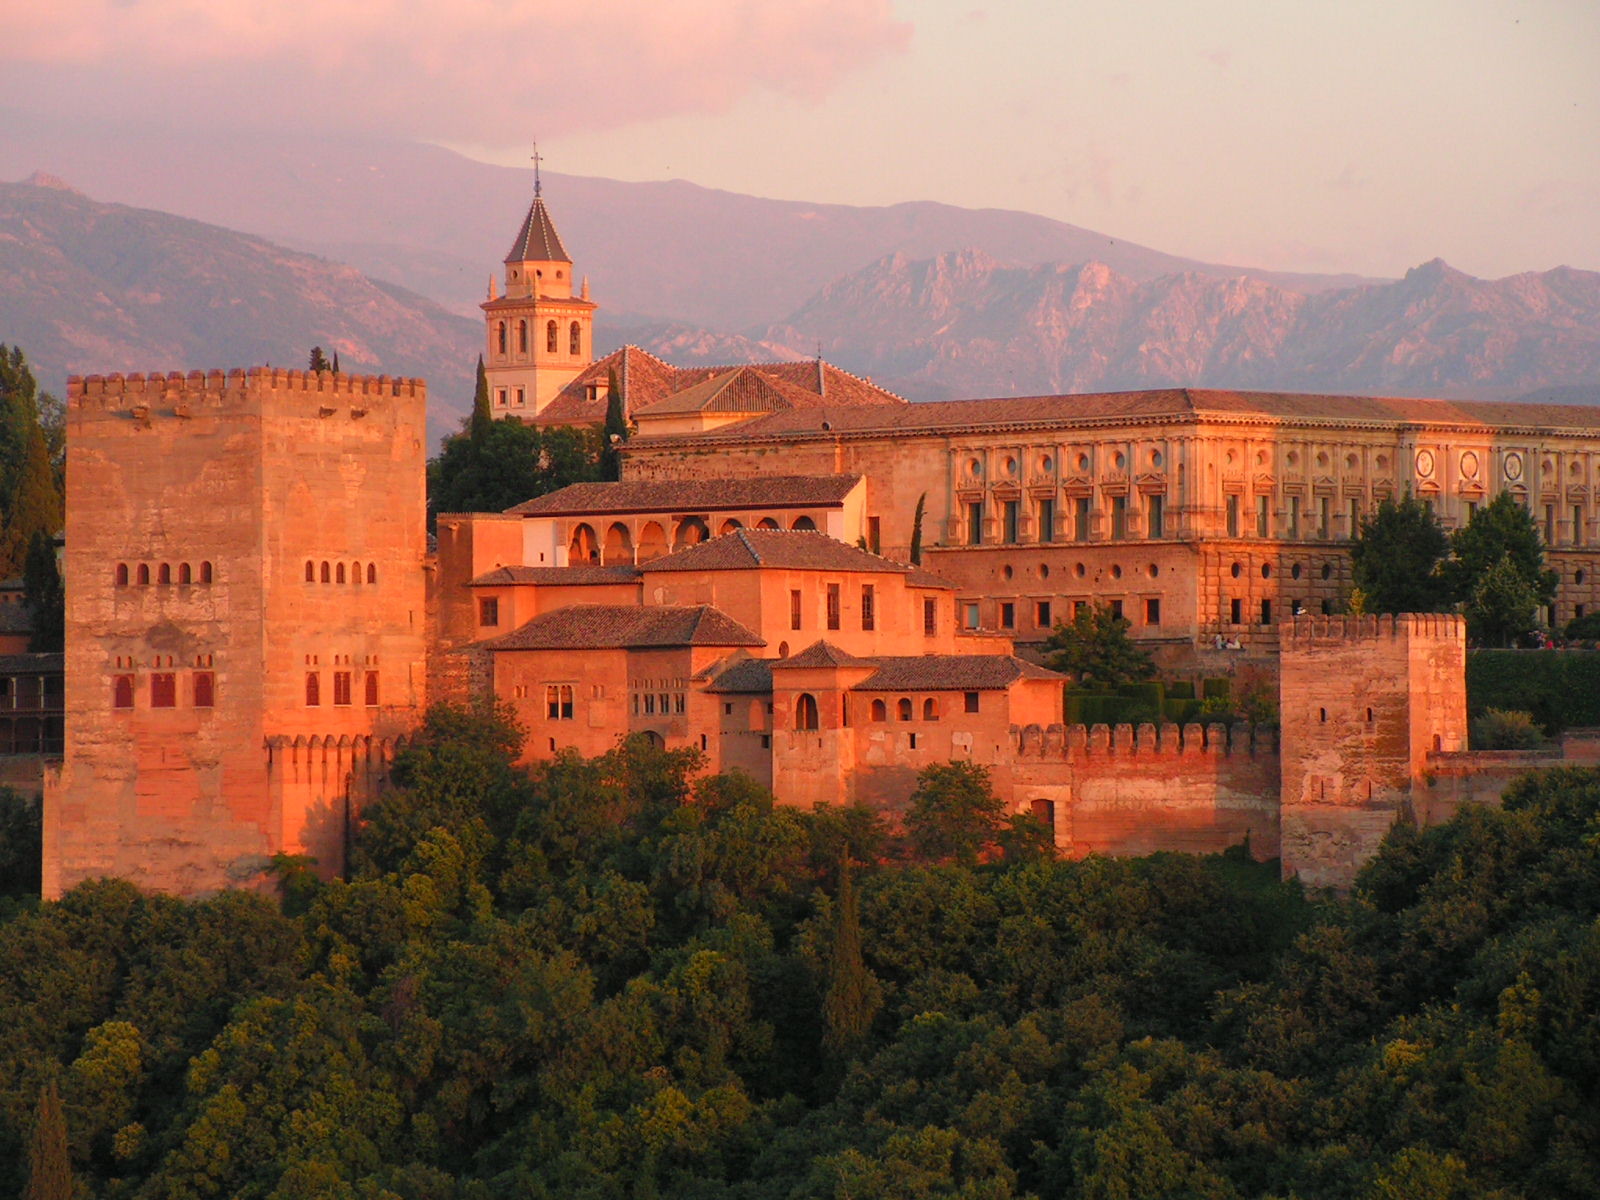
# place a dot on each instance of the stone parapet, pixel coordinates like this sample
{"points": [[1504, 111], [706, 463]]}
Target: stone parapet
{"points": [[1145, 741], [128, 392], [1305, 632]]}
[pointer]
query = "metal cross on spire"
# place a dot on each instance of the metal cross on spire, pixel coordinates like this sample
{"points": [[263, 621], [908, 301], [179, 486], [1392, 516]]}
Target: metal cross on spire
{"points": [[537, 159]]}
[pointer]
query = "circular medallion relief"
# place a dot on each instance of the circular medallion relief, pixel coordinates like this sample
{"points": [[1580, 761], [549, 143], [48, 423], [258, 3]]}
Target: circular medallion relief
{"points": [[1424, 462], [1469, 465], [1513, 465]]}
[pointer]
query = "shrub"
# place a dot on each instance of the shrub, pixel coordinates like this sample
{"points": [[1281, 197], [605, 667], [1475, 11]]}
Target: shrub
{"points": [[1498, 729]]}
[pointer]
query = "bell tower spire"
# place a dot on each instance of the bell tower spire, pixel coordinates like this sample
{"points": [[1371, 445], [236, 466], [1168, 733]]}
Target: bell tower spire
{"points": [[539, 335]]}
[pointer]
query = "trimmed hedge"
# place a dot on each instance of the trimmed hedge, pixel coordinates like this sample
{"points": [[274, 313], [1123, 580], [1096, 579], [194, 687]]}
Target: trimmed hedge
{"points": [[1137, 703], [1560, 688]]}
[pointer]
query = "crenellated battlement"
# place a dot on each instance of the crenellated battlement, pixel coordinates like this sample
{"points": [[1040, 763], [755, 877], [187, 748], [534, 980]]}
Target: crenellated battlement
{"points": [[1306, 631], [217, 388], [1147, 742]]}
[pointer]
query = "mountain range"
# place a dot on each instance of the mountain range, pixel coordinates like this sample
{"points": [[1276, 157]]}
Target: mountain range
{"points": [[381, 251]]}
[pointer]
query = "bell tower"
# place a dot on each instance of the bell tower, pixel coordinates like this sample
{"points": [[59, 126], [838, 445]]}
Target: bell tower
{"points": [[538, 335]]}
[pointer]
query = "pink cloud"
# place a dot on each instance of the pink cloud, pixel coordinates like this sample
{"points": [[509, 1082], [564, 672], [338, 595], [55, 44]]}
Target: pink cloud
{"points": [[462, 70]]}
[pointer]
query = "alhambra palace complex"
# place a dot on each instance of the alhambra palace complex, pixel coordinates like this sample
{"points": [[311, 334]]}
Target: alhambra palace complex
{"points": [[256, 618]]}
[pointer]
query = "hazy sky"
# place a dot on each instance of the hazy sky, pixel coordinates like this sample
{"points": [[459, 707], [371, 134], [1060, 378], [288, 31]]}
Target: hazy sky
{"points": [[1343, 135]]}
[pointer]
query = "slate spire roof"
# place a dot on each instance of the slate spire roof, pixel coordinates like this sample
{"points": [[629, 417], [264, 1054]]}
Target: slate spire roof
{"points": [[537, 240]]}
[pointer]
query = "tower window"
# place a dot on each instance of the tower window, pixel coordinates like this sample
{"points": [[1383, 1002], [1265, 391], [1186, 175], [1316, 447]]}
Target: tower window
{"points": [[550, 337], [500, 336], [205, 572], [805, 712], [372, 689], [311, 571], [338, 573], [575, 339], [144, 575], [163, 690], [833, 606], [930, 616], [794, 609], [122, 691], [489, 611], [122, 574], [325, 573], [372, 573], [183, 573], [868, 598], [313, 689], [205, 689], [969, 701], [164, 574], [341, 688], [522, 337]]}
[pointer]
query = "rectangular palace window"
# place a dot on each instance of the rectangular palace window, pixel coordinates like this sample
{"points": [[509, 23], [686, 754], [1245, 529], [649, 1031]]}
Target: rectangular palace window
{"points": [[794, 609], [930, 617], [833, 606], [868, 599], [164, 690], [205, 689], [341, 687], [489, 611]]}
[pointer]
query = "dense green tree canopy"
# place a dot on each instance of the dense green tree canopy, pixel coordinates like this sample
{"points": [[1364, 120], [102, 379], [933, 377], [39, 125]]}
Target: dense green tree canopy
{"points": [[1498, 571], [1094, 647], [621, 977], [1397, 558], [30, 478]]}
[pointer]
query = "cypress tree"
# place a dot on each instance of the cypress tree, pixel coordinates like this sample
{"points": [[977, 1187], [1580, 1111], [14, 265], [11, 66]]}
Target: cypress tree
{"points": [[853, 993], [44, 595], [481, 419], [30, 496], [616, 428], [49, 1167], [916, 530]]}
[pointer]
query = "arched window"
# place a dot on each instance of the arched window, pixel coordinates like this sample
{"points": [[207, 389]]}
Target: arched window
{"points": [[183, 573], [804, 523], [122, 574], [584, 547], [575, 339], [500, 335], [338, 573], [355, 572], [372, 689], [205, 572], [325, 572], [313, 689], [767, 523], [729, 526], [372, 573], [805, 711], [144, 575], [122, 691], [205, 689], [903, 708], [930, 709], [880, 711], [164, 573], [550, 337], [619, 545], [522, 337], [311, 571]]}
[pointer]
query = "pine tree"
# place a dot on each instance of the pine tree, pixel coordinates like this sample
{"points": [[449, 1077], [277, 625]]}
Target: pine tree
{"points": [[615, 432], [853, 993], [44, 595], [916, 530], [481, 417], [49, 1167], [319, 360]]}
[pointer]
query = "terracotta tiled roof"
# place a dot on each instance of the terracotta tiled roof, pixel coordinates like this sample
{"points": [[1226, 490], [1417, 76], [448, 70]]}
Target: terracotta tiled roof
{"points": [[648, 382], [626, 626], [691, 495], [951, 673], [537, 240], [747, 675], [739, 390], [822, 654], [1190, 403], [31, 664], [555, 576], [796, 550], [918, 578]]}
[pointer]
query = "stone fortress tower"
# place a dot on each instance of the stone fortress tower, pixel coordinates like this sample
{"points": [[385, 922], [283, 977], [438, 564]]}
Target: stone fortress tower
{"points": [[538, 336], [246, 619], [1364, 702]]}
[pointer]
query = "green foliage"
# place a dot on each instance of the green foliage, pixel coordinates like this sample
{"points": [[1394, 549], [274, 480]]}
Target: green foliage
{"points": [[489, 469], [1501, 605], [45, 596], [1499, 530], [49, 1168], [30, 483], [318, 361], [954, 812], [916, 529], [1397, 559], [1497, 729], [614, 432], [1095, 647], [1584, 629], [622, 977], [1559, 688], [21, 833], [482, 418]]}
